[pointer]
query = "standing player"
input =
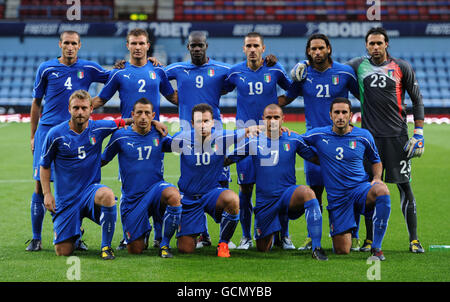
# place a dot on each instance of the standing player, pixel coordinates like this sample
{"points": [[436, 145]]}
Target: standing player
{"points": [[56, 80], [75, 147], [256, 86], [138, 79], [144, 191], [319, 83], [277, 194], [342, 148], [383, 81], [201, 162]]}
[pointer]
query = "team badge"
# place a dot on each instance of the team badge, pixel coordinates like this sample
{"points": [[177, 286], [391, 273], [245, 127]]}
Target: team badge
{"points": [[335, 79], [152, 75], [214, 147], [286, 147], [92, 140], [241, 176], [211, 72], [55, 236], [391, 73], [267, 77], [80, 74], [352, 144], [128, 235], [156, 142]]}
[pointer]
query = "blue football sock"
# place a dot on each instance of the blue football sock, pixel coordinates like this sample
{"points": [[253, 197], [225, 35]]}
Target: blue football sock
{"points": [[314, 222], [158, 230], [171, 221], [228, 226], [205, 234], [108, 218], [380, 219], [355, 231], [37, 214], [246, 210], [284, 221]]}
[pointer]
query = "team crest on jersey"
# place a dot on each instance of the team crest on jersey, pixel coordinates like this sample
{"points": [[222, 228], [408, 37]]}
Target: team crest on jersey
{"points": [[152, 75], [214, 147], [335, 79], [267, 77], [391, 73], [352, 144], [156, 142], [286, 147], [211, 72], [128, 235], [92, 140], [80, 74]]}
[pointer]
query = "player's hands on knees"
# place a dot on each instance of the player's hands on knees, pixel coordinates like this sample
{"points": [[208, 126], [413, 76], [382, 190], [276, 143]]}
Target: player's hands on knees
{"points": [[298, 72], [49, 202], [271, 60], [416, 144], [376, 181]]}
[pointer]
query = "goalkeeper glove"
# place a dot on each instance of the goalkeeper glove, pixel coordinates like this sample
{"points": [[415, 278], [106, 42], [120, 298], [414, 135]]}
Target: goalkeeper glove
{"points": [[298, 73], [416, 144]]}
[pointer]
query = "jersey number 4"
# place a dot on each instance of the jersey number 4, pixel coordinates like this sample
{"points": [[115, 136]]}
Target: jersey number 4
{"points": [[68, 83]]}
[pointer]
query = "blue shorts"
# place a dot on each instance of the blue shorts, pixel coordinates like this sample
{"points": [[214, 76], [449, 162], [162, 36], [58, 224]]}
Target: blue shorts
{"points": [[39, 138], [267, 214], [135, 215], [313, 174], [246, 171], [342, 218], [67, 221], [225, 176], [193, 215]]}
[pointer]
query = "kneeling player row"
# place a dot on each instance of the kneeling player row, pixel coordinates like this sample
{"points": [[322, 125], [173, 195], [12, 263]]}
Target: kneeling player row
{"points": [[73, 148]]}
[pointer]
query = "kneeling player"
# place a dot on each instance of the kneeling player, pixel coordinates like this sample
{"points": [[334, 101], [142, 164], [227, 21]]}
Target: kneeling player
{"points": [[75, 148], [341, 149], [201, 163], [144, 192], [277, 195]]}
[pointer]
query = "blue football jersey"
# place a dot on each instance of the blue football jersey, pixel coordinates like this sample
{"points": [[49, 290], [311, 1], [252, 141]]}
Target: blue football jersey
{"points": [[55, 82], [134, 82], [274, 162], [341, 158], [201, 164], [198, 84], [256, 89], [319, 89], [76, 158], [141, 160]]}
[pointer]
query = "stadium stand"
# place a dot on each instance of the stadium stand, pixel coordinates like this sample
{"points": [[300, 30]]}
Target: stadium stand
{"points": [[291, 10], [57, 9]]}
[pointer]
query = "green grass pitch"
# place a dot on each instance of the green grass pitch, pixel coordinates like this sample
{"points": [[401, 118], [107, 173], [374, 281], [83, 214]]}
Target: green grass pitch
{"points": [[430, 185]]}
